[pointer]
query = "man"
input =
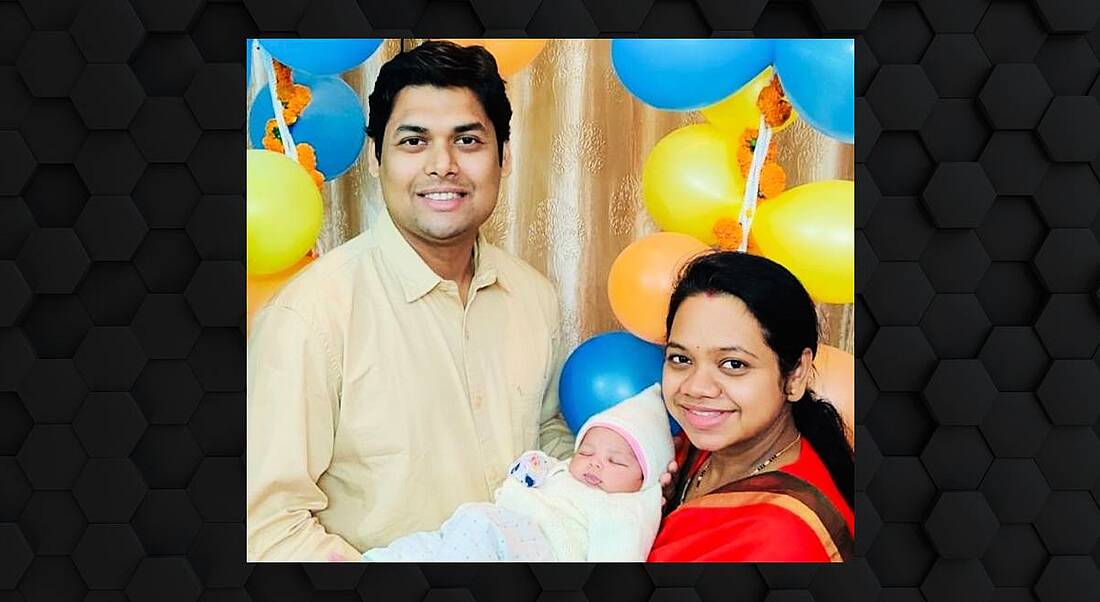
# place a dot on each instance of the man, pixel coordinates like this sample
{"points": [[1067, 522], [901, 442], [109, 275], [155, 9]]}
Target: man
{"points": [[399, 374]]}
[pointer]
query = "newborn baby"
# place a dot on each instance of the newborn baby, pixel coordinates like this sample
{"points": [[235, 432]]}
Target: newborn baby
{"points": [[604, 504]]}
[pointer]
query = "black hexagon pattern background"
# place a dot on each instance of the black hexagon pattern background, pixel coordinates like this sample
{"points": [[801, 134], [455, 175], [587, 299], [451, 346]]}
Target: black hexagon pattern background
{"points": [[978, 314]]}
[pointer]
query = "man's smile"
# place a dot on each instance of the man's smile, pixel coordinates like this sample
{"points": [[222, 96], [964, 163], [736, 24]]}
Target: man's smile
{"points": [[443, 198]]}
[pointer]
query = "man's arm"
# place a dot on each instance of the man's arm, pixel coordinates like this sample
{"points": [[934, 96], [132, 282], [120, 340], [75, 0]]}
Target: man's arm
{"points": [[555, 438], [292, 406]]}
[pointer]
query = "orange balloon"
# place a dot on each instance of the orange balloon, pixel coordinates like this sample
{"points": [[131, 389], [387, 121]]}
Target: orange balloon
{"points": [[641, 280], [259, 289], [835, 381], [511, 55]]}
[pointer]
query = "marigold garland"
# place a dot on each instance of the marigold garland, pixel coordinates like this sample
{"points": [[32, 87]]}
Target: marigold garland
{"points": [[776, 110], [773, 178], [294, 98]]}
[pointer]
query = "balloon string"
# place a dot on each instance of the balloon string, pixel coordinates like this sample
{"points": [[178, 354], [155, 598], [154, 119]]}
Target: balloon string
{"points": [[752, 185], [284, 131]]}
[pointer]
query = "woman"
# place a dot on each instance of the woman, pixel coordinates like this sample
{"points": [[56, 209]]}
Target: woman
{"points": [[767, 472]]}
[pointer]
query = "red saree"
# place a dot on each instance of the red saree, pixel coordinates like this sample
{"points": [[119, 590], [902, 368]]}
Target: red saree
{"points": [[794, 514]]}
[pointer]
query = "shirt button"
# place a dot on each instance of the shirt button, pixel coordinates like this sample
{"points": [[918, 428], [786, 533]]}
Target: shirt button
{"points": [[477, 403]]}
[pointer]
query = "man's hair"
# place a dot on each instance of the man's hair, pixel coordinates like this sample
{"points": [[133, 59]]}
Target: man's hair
{"points": [[444, 65]]}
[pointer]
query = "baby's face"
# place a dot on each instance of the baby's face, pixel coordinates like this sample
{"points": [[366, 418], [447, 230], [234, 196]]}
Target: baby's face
{"points": [[605, 461]]}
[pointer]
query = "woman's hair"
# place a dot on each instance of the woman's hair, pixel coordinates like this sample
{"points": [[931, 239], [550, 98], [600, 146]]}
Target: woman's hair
{"points": [[443, 65], [788, 319]]}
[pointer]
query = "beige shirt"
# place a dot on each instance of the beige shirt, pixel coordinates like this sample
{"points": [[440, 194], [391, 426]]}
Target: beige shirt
{"points": [[377, 403]]}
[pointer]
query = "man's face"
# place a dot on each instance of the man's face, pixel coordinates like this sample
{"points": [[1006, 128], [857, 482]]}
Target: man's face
{"points": [[440, 170]]}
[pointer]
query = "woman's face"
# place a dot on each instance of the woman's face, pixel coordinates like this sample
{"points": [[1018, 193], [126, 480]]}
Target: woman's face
{"points": [[721, 381]]}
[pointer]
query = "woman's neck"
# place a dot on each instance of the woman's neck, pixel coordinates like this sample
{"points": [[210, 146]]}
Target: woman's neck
{"points": [[740, 459]]}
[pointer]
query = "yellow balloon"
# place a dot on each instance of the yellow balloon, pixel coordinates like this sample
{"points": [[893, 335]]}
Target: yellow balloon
{"points": [[810, 230], [284, 212], [691, 179], [738, 112], [511, 54]]}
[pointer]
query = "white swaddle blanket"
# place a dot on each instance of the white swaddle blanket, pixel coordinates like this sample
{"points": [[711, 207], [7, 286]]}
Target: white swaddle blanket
{"points": [[541, 512], [583, 523]]}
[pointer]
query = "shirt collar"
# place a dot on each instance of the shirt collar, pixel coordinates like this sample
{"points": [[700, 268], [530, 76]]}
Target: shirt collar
{"points": [[417, 279]]}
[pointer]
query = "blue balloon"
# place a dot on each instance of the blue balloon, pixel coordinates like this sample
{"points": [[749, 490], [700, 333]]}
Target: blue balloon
{"points": [[323, 56], [818, 77], [685, 75], [332, 122], [605, 370]]}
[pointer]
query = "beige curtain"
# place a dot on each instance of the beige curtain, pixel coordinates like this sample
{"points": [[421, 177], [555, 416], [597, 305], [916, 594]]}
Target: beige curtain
{"points": [[573, 200]]}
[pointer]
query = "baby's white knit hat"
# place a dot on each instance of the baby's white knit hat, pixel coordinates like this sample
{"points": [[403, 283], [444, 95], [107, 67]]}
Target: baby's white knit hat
{"points": [[643, 422]]}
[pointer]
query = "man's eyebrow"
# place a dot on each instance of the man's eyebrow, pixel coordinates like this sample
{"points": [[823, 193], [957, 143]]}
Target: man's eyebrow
{"points": [[405, 127], [469, 127], [474, 126]]}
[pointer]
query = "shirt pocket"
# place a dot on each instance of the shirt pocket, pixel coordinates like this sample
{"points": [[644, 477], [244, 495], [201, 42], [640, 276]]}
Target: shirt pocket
{"points": [[372, 421]]}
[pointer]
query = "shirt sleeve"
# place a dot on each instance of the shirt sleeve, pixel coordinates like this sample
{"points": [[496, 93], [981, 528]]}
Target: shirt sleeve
{"points": [[293, 400], [555, 438]]}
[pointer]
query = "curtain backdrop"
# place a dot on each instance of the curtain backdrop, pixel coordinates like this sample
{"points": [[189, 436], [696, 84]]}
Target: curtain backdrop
{"points": [[573, 201]]}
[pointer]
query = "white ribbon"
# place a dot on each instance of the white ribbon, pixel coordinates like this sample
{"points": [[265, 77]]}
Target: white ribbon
{"points": [[752, 184], [268, 72]]}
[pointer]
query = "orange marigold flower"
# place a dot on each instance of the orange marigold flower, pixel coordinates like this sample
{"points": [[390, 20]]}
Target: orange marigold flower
{"points": [[728, 232], [272, 144], [744, 160], [283, 74], [773, 105], [748, 139], [272, 141], [747, 147], [773, 180], [306, 155], [307, 158], [296, 102]]}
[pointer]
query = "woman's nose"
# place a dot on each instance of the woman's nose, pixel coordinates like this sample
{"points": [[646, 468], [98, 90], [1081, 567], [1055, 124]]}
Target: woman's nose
{"points": [[699, 383]]}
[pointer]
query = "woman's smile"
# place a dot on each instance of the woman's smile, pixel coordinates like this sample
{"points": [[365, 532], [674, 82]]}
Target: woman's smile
{"points": [[704, 418]]}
